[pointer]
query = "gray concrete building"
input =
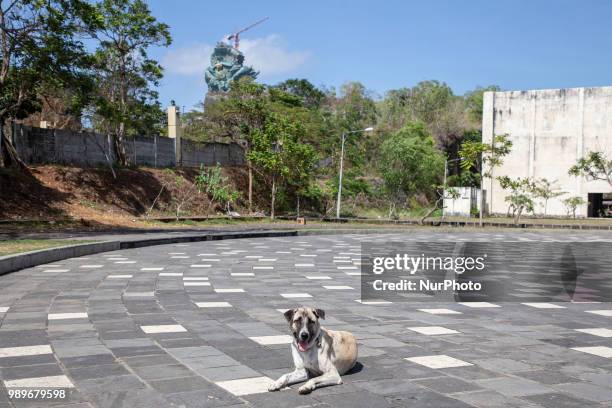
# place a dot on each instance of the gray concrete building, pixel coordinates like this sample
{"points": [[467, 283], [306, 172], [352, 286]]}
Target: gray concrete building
{"points": [[550, 129]]}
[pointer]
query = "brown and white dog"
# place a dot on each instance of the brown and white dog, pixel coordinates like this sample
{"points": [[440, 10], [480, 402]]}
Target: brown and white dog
{"points": [[320, 356]]}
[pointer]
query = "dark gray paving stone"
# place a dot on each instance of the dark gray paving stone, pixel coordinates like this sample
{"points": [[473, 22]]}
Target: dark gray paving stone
{"points": [[159, 372], [558, 400], [98, 371], [587, 391], [447, 385], [175, 385]]}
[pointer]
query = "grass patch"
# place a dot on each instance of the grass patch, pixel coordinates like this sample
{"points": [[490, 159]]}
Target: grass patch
{"points": [[26, 245]]}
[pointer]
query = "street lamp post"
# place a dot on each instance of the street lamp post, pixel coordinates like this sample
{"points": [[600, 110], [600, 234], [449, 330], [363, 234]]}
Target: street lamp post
{"points": [[344, 134]]}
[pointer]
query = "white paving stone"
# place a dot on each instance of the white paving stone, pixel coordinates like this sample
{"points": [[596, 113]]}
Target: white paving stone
{"points": [[188, 283], [179, 257], [246, 386], [243, 274], [600, 332], [373, 302], [304, 265], [163, 328], [125, 262], [337, 287], [433, 330], [119, 276], [152, 269], [139, 294], [229, 290], [25, 351], [318, 277], [54, 381], [438, 361], [440, 311], [601, 351], [201, 266], [270, 340], [62, 316], [209, 260], [478, 304], [266, 260], [295, 295], [607, 313], [353, 273], [176, 253], [544, 305], [213, 304], [4, 309], [263, 267], [171, 274], [195, 278], [253, 256], [91, 266], [56, 270], [347, 268]]}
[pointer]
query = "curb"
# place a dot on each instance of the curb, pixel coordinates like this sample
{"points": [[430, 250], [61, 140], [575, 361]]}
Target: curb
{"points": [[12, 263]]}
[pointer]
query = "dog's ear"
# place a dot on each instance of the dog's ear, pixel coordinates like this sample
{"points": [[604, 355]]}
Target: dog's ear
{"points": [[289, 315], [320, 313]]}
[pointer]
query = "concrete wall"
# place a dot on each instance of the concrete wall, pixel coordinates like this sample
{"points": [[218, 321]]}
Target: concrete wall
{"points": [[550, 129], [461, 207], [55, 146]]}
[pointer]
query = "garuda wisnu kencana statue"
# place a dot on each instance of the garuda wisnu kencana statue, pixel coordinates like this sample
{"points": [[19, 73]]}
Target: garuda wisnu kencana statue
{"points": [[226, 65]]}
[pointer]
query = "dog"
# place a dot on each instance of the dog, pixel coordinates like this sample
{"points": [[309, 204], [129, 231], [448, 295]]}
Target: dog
{"points": [[320, 356]]}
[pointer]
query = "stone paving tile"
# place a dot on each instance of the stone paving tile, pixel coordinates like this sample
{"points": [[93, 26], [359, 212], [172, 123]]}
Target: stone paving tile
{"points": [[557, 400], [519, 355]]}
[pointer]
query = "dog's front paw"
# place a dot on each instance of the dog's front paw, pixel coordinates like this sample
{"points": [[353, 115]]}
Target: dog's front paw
{"points": [[275, 386], [306, 388]]}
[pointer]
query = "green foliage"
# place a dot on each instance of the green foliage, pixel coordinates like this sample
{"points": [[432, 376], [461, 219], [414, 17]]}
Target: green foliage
{"points": [[572, 203], [409, 162], [594, 166], [216, 187], [474, 101], [308, 94], [477, 154], [521, 195], [279, 156], [126, 101], [545, 190], [41, 49]]}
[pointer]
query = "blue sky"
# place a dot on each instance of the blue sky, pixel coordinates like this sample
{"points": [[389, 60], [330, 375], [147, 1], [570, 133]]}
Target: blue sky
{"points": [[516, 44]]}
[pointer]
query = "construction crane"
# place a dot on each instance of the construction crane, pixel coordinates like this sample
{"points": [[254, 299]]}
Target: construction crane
{"points": [[236, 36]]}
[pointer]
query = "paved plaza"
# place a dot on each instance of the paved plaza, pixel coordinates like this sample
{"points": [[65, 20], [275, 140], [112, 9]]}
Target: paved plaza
{"points": [[201, 324]]}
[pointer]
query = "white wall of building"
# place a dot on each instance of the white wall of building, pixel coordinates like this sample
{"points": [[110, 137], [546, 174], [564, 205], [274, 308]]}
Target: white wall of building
{"points": [[550, 129]]}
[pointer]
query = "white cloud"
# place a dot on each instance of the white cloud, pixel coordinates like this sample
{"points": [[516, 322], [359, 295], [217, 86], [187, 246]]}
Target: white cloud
{"points": [[269, 55], [190, 60]]}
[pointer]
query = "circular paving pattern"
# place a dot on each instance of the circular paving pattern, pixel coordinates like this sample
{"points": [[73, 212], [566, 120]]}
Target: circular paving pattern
{"points": [[200, 324]]}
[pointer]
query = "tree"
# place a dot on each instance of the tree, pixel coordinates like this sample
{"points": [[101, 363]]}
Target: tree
{"points": [[572, 203], [279, 155], [521, 195], [124, 70], [474, 102], [310, 96], [483, 156], [594, 166], [409, 163], [39, 48], [545, 190]]}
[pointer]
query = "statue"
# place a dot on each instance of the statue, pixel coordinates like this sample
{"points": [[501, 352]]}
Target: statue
{"points": [[226, 65]]}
